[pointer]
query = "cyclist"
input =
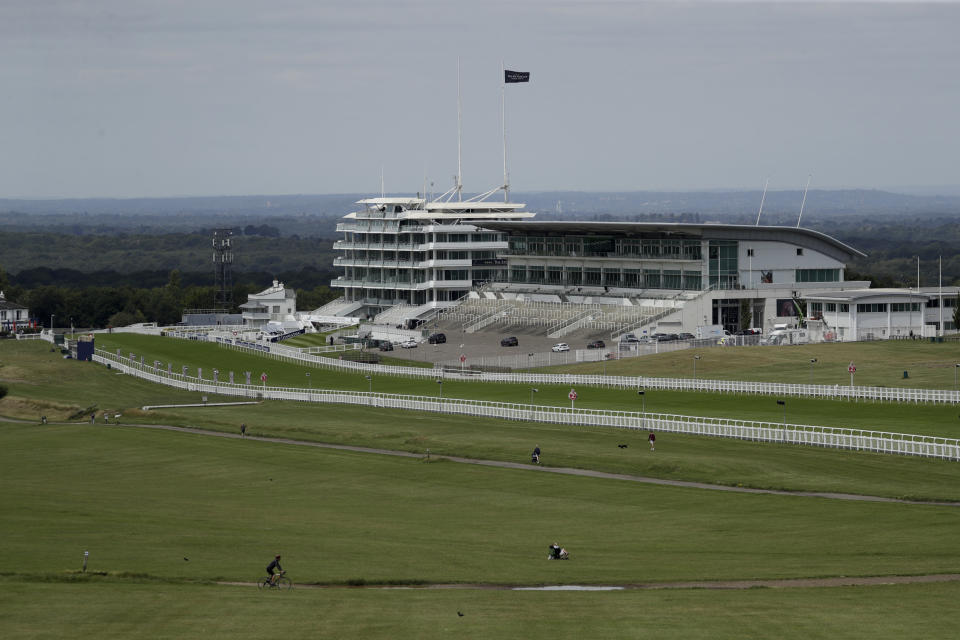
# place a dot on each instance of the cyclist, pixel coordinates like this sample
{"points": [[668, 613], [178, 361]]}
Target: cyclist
{"points": [[274, 569]]}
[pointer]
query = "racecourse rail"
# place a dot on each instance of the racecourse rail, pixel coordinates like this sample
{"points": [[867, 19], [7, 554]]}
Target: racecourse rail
{"points": [[822, 391], [819, 436]]}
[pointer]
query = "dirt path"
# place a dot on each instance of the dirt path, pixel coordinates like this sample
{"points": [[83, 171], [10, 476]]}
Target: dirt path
{"points": [[842, 581], [723, 584], [545, 469]]}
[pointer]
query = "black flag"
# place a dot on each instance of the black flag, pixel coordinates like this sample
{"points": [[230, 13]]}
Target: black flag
{"points": [[516, 76]]}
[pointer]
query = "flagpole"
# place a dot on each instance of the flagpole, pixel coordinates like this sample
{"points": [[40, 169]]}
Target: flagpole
{"points": [[762, 198], [459, 137], [804, 200], [940, 329], [503, 122]]}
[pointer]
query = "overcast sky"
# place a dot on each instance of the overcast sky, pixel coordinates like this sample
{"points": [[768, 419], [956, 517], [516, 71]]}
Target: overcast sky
{"points": [[124, 98]]}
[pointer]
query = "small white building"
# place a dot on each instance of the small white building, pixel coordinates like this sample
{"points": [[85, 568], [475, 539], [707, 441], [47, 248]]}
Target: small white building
{"points": [[12, 315], [274, 304], [881, 314]]}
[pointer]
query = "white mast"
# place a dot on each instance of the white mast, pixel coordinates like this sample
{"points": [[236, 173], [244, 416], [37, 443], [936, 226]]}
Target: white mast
{"points": [[459, 137], [381, 181], [503, 121], [762, 198], [940, 329], [804, 200]]}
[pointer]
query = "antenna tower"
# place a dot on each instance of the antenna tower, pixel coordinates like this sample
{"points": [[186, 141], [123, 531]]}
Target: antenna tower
{"points": [[223, 269]]}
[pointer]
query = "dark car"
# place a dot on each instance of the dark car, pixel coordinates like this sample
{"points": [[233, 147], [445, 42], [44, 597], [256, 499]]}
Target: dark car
{"points": [[437, 338], [597, 344], [510, 342], [687, 336], [386, 345]]}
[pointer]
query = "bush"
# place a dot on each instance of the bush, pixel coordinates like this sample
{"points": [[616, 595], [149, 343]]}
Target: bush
{"points": [[3, 390]]}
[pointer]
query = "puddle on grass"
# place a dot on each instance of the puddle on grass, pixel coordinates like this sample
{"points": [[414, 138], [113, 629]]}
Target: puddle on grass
{"points": [[568, 587]]}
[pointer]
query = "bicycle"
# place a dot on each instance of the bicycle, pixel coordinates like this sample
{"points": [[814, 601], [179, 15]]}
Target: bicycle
{"points": [[281, 583]]}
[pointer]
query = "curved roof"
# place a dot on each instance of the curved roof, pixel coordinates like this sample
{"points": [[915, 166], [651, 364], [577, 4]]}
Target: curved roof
{"points": [[807, 238]]}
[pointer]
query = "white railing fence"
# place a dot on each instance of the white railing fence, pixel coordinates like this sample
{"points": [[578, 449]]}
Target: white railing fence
{"points": [[829, 437], [831, 392]]}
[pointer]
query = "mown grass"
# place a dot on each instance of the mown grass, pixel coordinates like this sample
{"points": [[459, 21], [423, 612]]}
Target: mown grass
{"points": [[162, 511], [935, 420], [182, 506], [211, 612], [879, 364], [678, 457]]}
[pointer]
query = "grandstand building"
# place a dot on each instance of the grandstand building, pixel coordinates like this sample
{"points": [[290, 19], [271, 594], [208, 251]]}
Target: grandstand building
{"points": [[672, 277], [416, 256], [488, 266]]}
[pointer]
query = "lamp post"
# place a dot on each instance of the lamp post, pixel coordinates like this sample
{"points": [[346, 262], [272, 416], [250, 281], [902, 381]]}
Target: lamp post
{"points": [[51, 323], [783, 403], [71, 325], [440, 382], [956, 368], [812, 362], [309, 384], [533, 391], [643, 400], [369, 383], [695, 358]]}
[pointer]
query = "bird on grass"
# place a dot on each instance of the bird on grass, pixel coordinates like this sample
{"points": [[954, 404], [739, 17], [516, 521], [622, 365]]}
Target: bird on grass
{"points": [[460, 614], [622, 446], [186, 559]]}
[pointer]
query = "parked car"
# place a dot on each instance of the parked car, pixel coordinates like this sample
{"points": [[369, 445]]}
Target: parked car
{"points": [[409, 343], [386, 345], [560, 346], [629, 337], [437, 338], [687, 336], [597, 344], [510, 342]]}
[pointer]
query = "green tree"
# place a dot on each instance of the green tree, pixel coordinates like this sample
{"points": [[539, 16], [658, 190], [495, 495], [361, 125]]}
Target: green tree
{"points": [[956, 314], [125, 318], [746, 313]]}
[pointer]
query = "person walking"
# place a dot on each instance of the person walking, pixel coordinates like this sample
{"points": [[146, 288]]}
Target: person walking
{"points": [[653, 439], [535, 456], [243, 429]]}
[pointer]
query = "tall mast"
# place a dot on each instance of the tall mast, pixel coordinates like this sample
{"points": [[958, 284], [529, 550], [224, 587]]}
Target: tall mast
{"points": [[459, 137], [503, 121], [804, 200], [762, 198]]}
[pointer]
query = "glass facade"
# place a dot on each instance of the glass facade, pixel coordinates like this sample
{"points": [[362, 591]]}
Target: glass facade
{"points": [[723, 264], [817, 275]]}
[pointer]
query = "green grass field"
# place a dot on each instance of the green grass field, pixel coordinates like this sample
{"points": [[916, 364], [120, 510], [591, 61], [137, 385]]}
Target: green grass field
{"points": [[937, 420], [879, 364], [143, 500]]}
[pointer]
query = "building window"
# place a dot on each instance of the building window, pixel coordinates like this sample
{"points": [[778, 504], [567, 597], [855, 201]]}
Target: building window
{"points": [[799, 251], [872, 307], [831, 306], [902, 307], [672, 279], [817, 275], [749, 253], [844, 308]]}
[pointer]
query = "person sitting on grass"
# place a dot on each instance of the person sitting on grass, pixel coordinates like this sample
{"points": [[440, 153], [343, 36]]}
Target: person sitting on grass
{"points": [[554, 552], [274, 569]]}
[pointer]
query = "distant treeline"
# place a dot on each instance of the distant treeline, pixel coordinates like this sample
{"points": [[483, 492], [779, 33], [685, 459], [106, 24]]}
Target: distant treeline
{"points": [[127, 253], [96, 305]]}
